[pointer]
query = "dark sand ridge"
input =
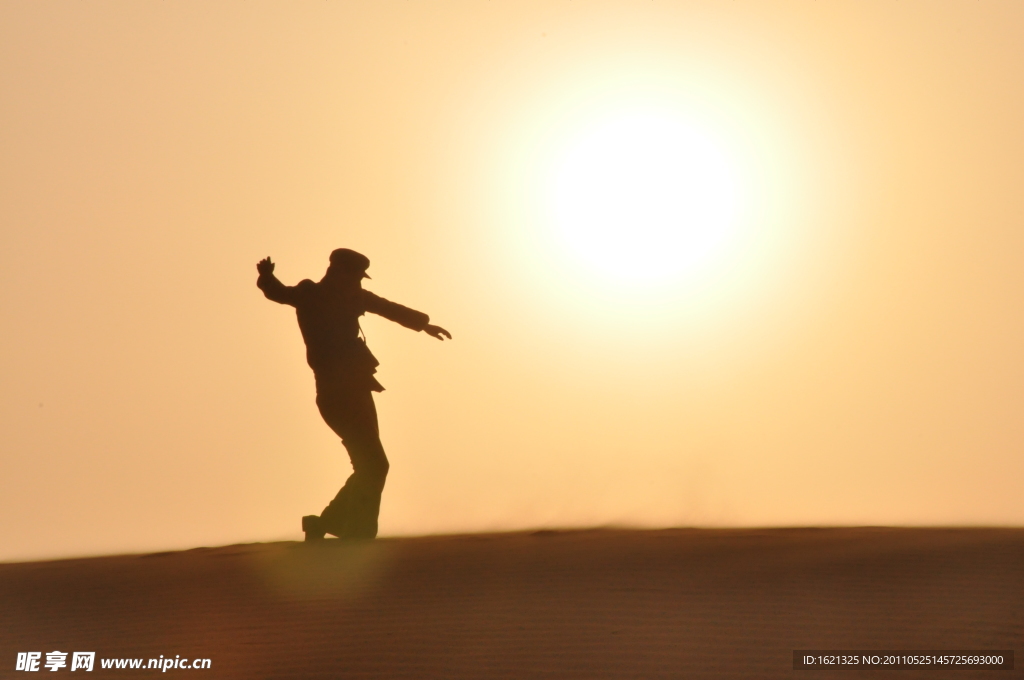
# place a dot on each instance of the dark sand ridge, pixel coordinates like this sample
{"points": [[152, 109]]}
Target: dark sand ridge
{"points": [[679, 603]]}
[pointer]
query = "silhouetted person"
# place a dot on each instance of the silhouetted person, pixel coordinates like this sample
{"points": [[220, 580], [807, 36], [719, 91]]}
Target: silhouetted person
{"points": [[328, 314]]}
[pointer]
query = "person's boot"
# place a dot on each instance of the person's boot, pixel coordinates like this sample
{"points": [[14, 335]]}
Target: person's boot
{"points": [[313, 527]]}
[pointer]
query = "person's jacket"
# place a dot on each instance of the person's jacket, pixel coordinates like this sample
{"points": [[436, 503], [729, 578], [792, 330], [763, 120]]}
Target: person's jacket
{"points": [[329, 320]]}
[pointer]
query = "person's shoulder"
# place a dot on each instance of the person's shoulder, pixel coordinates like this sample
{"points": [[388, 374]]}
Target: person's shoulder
{"points": [[371, 302], [304, 290], [370, 297]]}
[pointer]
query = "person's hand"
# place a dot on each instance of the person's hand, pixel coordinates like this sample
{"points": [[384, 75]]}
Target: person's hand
{"points": [[265, 267], [436, 331]]}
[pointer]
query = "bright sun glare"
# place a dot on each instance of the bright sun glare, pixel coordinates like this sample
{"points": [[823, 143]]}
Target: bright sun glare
{"points": [[643, 198]]}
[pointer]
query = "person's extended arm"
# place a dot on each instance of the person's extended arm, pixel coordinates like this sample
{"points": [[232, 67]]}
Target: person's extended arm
{"points": [[410, 318], [271, 286]]}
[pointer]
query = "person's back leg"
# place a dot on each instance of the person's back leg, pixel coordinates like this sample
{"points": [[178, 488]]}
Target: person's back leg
{"points": [[354, 510]]}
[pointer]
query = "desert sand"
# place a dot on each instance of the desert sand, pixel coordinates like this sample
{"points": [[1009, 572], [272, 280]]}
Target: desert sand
{"points": [[602, 603]]}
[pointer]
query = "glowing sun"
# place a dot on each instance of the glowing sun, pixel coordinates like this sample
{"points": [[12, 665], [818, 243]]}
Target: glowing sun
{"points": [[643, 197]]}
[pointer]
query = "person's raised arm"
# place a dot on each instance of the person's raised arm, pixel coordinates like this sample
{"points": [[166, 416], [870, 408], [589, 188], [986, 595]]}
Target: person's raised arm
{"points": [[410, 318], [271, 286]]}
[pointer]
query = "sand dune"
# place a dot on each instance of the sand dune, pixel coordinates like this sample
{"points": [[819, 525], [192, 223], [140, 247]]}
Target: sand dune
{"points": [[680, 603]]}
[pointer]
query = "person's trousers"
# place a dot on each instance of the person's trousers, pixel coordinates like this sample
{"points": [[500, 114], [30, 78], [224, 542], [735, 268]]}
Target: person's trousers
{"points": [[353, 417]]}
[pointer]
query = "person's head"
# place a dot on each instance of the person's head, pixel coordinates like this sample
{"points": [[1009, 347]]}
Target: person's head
{"points": [[348, 265]]}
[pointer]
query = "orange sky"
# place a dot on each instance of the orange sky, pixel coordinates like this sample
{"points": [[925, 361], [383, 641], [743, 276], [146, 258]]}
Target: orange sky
{"points": [[855, 358]]}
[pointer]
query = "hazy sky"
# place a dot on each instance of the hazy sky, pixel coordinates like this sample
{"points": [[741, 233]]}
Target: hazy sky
{"points": [[850, 351]]}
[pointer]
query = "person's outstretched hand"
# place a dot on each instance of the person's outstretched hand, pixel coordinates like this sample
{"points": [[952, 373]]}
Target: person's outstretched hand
{"points": [[265, 267], [435, 331]]}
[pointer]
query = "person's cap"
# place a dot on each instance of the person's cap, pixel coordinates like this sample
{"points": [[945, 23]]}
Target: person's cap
{"points": [[351, 260]]}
